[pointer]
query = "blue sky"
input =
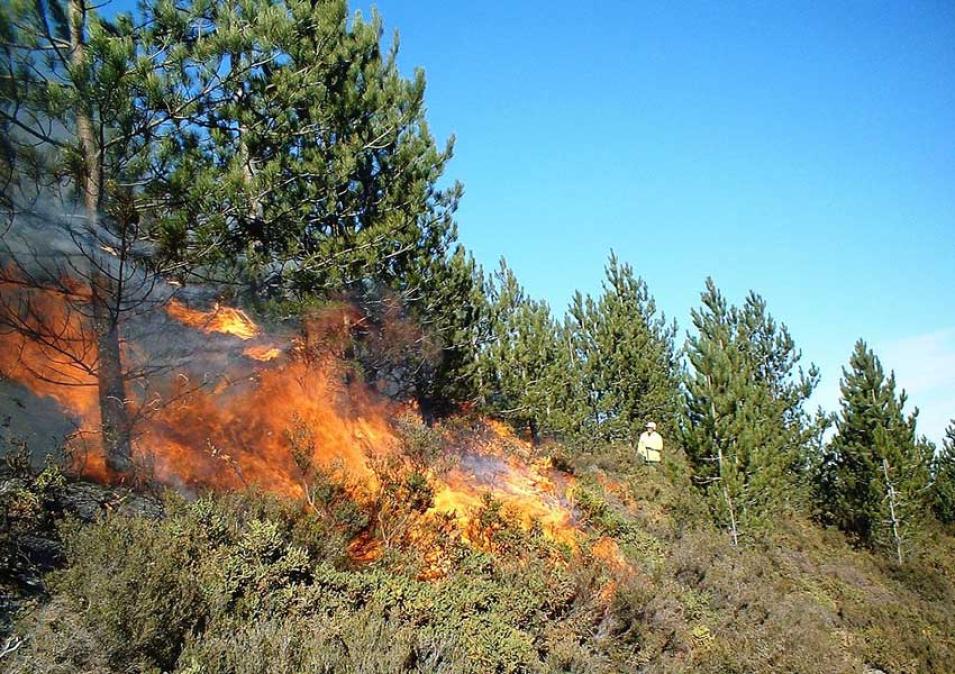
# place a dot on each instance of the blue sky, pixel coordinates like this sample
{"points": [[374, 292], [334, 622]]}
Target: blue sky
{"points": [[805, 150]]}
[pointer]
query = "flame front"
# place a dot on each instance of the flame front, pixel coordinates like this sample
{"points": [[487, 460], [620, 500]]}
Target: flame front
{"points": [[241, 429], [532, 491]]}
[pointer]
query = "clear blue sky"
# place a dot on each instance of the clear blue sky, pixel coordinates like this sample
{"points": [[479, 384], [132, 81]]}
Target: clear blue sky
{"points": [[805, 150]]}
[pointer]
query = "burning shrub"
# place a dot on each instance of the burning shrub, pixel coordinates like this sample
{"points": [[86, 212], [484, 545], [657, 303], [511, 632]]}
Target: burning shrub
{"points": [[400, 497], [494, 528], [614, 521], [419, 491], [423, 445], [327, 493], [560, 457]]}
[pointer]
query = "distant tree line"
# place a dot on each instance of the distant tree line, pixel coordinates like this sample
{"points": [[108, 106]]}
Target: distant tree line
{"points": [[272, 148]]}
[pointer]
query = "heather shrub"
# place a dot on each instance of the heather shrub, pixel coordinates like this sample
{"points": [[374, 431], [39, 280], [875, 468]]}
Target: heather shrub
{"points": [[130, 588], [27, 510], [256, 575], [59, 640], [360, 642], [423, 445], [249, 583]]}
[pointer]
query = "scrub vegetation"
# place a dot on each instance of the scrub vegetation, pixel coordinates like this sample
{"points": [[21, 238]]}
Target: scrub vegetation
{"points": [[270, 153]]}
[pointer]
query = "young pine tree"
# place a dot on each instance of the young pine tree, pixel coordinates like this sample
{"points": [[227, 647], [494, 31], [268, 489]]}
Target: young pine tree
{"points": [[451, 305], [875, 475], [623, 356], [522, 360], [943, 478], [745, 427]]}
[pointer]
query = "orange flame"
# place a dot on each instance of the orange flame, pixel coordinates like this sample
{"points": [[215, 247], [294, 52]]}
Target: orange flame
{"points": [[619, 570], [263, 353], [525, 490], [499, 465], [226, 320], [269, 425], [240, 436], [47, 348]]}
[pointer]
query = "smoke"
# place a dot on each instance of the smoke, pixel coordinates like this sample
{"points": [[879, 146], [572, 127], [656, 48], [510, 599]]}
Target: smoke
{"points": [[217, 401], [47, 244], [52, 263]]}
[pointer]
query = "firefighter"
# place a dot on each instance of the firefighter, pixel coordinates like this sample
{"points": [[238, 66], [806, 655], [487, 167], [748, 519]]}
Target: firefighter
{"points": [[651, 444]]}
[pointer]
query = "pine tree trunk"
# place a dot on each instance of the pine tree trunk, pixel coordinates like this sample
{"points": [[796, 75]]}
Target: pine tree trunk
{"points": [[91, 182], [730, 507], [427, 409], [734, 528], [255, 212], [892, 497], [114, 419]]}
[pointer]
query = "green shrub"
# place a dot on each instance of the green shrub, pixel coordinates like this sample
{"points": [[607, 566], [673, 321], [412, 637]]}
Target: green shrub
{"points": [[423, 445], [249, 583], [361, 642], [132, 585]]}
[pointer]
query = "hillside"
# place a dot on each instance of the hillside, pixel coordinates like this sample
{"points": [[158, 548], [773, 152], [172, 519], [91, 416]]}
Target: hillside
{"points": [[245, 582], [261, 410]]}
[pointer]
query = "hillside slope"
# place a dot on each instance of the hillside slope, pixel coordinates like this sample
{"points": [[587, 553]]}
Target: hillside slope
{"points": [[244, 582]]}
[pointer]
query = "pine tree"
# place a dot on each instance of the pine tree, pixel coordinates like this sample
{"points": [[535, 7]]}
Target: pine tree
{"points": [[269, 145], [623, 357], [302, 157], [74, 138], [300, 166], [452, 306], [522, 360], [943, 478], [875, 474], [745, 426]]}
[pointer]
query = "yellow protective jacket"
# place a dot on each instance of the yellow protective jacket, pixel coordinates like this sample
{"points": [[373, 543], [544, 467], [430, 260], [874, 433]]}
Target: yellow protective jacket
{"points": [[651, 444]]}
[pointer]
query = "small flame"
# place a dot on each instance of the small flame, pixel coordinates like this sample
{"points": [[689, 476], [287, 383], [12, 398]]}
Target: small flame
{"points": [[606, 550], [263, 353], [226, 320]]}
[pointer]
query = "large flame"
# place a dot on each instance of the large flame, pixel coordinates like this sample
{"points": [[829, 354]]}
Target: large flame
{"points": [[264, 421], [531, 490], [241, 434], [49, 349]]}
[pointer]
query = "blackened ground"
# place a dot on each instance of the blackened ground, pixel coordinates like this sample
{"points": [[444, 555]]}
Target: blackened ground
{"points": [[33, 504]]}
